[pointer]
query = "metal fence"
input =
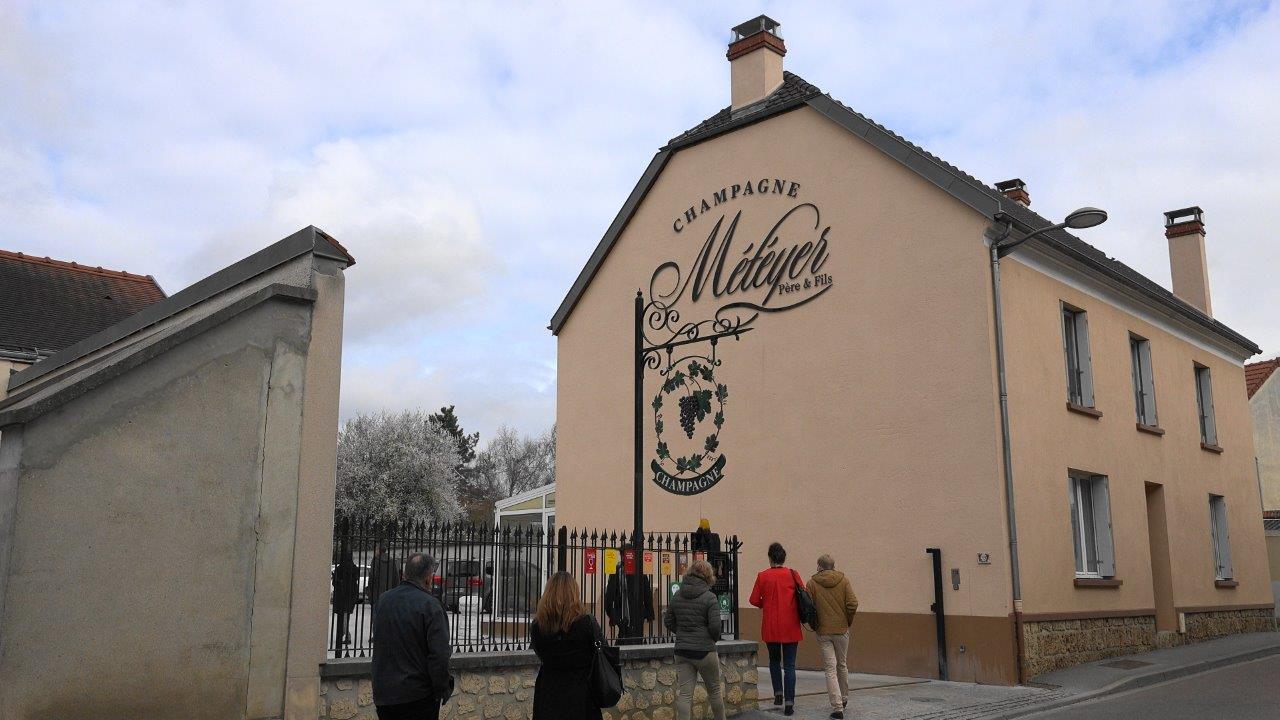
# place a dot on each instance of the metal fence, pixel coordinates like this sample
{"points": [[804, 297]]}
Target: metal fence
{"points": [[489, 579]]}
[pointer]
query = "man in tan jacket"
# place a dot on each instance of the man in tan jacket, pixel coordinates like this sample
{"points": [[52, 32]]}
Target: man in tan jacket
{"points": [[836, 603]]}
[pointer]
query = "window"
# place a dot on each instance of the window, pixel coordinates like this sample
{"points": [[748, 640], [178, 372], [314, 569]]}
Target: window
{"points": [[1221, 539], [1144, 389], [1091, 526], [1204, 403], [1075, 341]]}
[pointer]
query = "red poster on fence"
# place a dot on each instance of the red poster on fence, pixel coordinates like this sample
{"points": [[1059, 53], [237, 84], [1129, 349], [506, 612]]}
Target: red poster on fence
{"points": [[629, 561], [589, 561]]}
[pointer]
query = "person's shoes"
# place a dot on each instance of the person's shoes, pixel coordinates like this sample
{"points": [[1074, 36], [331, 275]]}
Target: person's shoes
{"points": [[837, 714], [777, 699], [789, 709]]}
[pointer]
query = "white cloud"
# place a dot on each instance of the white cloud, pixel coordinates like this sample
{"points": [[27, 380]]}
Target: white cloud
{"points": [[470, 156]]}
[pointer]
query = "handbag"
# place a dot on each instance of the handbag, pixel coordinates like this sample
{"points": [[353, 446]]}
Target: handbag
{"points": [[604, 686], [805, 607]]}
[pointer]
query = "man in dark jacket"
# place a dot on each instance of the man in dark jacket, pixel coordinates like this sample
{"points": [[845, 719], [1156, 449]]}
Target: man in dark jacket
{"points": [[620, 592], [383, 574], [411, 656]]}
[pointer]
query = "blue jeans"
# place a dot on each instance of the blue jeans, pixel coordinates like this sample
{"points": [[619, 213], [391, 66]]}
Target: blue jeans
{"points": [[782, 656]]}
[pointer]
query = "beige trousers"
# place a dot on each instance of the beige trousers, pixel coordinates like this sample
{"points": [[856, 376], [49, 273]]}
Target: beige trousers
{"points": [[687, 672], [835, 653]]}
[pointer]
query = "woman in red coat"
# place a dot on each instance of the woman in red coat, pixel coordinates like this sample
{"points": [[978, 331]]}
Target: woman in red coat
{"points": [[775, 594]]}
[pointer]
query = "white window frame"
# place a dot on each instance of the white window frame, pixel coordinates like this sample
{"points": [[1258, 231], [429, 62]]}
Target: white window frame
{"points": [[1144, 385], [1220, 533], [1075, 351], [1090, 504], [1204, 405]]}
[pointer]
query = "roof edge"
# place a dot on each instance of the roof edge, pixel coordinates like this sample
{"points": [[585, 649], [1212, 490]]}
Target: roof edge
{"points": [[308, 239], [16, 410], [620, 221]]}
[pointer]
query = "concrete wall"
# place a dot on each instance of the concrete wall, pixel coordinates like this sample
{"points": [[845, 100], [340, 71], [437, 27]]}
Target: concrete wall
{"points": [[169, 554], [862, 424], [1265, 407], [500, 685]]}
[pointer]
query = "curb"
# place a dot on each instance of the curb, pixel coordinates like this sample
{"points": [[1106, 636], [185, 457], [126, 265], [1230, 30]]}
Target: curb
{"points": [[1140, 681]]}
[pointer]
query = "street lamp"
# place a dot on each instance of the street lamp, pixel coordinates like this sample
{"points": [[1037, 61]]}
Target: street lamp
{"points": [[1085, 217], [1079, 219]]}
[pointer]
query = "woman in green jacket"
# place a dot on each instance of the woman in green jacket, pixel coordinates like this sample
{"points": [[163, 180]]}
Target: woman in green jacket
{"points": [[694, 616]]}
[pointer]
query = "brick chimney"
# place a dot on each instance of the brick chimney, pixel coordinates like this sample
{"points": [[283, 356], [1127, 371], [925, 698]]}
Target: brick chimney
{"points": [[755, 60], [1185, 230], [1015, 190]]}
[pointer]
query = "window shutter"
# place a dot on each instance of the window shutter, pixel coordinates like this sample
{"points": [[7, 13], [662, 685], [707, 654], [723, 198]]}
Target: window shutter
{"points": [[1148, 383], [1222, 539], [1068, 327], [1102, 526], [1210, 427], [1086, 360]]}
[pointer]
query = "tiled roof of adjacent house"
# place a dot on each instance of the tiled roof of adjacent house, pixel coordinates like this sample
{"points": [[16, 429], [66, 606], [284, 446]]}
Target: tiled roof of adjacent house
{"points": [[46, 305], [1257, 373], [796, 92]]}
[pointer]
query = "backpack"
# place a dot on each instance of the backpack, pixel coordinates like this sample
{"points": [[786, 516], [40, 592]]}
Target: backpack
{"points": [[805, 606]]}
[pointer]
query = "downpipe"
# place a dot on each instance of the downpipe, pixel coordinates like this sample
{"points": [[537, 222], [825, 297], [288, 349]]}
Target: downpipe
{"points": [[996, 235]]}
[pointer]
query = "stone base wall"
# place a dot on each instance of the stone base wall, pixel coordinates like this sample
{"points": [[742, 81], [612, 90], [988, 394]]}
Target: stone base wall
{"points": [[1209, 625], [1056, 644], [499, 686]]}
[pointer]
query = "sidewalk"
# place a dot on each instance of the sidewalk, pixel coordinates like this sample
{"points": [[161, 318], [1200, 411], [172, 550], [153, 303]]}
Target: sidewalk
{"points": [[896, 698]]}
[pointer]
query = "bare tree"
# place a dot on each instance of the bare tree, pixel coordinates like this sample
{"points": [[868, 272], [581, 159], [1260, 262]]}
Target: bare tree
{"points": [[511, 463], [397, 466]]}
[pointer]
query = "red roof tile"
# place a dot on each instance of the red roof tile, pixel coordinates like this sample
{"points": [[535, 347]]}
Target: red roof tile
{"points": [[48, 304], [1257, 373]]}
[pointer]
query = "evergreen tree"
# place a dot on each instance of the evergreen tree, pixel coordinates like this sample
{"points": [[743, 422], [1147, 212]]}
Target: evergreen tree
{"points": [[446, 420]]}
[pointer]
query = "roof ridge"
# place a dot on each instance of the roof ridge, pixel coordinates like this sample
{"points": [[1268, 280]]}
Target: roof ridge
{"points": [[77, 267]]}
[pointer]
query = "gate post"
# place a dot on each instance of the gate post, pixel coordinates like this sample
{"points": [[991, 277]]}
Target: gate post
{"points": [[562, 549]]}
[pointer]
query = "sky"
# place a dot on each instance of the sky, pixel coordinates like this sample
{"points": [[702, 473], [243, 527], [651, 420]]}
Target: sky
{"points": [[471, 155]]}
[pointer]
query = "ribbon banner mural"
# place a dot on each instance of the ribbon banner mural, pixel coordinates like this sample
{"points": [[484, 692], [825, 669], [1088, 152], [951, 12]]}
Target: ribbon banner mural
{"points": [[730, 282]]}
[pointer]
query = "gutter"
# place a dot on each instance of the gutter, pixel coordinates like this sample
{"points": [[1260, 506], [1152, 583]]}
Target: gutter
{"points": [[994, 236]]}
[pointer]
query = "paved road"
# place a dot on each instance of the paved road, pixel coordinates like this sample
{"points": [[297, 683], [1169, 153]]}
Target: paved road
{"points": [[1249, 691]]}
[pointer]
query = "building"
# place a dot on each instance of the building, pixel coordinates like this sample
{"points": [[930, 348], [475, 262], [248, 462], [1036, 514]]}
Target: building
{"points": [[853, 404], [1264, 403], [534, 508], [47, 305]]}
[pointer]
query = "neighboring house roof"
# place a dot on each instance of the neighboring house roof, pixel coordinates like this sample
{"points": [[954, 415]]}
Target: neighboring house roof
{"points": [[794, 93], [47, 305], [1271, 526], [1255, 374], [307, 240]]}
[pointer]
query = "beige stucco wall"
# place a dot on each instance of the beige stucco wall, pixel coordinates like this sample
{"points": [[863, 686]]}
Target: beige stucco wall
{"points": [[1048, 440], [1265, 406], [833, 434]]}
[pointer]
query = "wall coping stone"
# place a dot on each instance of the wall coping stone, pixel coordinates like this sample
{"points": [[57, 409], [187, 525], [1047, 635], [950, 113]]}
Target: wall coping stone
{"points": [[359, 667]]}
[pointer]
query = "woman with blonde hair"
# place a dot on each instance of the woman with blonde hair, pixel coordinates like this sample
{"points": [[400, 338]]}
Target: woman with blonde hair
{"points": [[564, 638], [694, 617]]}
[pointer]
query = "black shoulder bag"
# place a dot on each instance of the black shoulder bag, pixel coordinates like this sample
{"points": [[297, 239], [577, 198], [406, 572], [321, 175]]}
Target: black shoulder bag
{"points": [[605, 683], [805, 606]]}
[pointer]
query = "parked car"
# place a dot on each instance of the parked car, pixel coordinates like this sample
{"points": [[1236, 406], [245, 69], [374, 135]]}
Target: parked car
{"points": [[457, 578], [518, 584]]}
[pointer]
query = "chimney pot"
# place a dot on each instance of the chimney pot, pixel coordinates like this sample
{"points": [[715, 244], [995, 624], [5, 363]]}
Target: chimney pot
{"points": [[1015, 190], [1184, 229], [755, 60]]}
